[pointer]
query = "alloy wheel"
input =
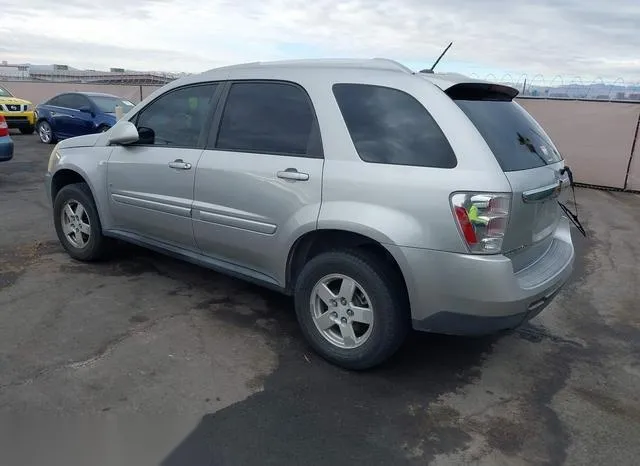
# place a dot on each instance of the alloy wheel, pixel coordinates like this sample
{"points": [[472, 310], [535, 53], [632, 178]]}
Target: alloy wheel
{"points": [[342, 311]]}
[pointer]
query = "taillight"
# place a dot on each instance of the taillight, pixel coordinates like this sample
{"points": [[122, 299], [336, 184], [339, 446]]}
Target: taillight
{"points": [[4, 128], [482, 220]]}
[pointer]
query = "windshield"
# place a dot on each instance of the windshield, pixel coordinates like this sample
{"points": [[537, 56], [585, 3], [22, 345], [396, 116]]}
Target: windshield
{"points": [[108, 104], [4, 92], [516, 139]]}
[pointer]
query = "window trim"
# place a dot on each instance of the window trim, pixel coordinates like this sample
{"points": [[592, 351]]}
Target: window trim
{"points": [[437, 125], [204, 134], [212, 143]]}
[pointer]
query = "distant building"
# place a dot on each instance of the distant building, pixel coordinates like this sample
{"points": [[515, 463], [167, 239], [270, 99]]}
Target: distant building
{"points": [[68, 74]]}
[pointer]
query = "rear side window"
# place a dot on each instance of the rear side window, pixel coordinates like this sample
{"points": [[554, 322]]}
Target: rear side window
{"points": [[272, 118], [516, 139], [389, 126]]}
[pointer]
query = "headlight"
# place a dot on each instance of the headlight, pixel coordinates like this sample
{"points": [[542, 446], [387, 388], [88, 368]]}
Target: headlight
{"points": [[28, 107], [54, 158]]}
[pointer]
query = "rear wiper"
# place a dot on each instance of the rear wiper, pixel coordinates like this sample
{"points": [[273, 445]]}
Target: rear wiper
{"points": [[570, 215]]}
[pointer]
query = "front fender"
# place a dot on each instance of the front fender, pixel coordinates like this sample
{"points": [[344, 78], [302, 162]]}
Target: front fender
{"points": [[92, 167]]}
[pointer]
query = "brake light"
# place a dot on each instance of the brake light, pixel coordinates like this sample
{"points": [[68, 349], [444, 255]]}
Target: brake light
{"points": [[482, 220], [4, 128]]}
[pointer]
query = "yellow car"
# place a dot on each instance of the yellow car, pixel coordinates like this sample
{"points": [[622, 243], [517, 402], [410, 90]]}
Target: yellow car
{"points": [[18, 112]]}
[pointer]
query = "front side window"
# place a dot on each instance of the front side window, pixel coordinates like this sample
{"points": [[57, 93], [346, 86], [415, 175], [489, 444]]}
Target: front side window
{"points": [[4, 92], [177, 118], [272, 118], [390, 126]]}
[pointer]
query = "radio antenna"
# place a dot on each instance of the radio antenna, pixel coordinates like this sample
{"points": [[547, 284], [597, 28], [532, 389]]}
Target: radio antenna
{"points": [[430, 70]]}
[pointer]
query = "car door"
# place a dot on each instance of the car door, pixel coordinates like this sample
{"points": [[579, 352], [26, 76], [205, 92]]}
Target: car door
{"points": [[59, 115], [150, 183], [260, 177], [79, 122]]}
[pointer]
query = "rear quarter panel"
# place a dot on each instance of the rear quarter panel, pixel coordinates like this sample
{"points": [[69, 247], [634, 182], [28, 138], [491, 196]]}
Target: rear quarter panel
{"points": [[398, 204]]}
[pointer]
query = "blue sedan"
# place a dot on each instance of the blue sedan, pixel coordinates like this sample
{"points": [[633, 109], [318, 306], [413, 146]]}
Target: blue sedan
{"points": [[6, 143], [77, 113]]}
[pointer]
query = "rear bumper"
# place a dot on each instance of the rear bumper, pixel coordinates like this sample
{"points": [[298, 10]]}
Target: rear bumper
{"points": [[463, 294], [6, 149]]}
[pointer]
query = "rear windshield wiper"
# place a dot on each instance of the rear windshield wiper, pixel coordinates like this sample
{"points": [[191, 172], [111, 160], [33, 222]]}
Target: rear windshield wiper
{"points": [[570, 215]]}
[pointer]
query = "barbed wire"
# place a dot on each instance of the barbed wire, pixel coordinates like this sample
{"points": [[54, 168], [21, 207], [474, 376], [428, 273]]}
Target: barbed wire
{"points": [[574, 87]]}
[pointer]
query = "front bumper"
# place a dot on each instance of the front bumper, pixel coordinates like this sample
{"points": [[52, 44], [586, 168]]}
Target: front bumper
{"points": [[464, 294], [19, 120], [6, 149]]}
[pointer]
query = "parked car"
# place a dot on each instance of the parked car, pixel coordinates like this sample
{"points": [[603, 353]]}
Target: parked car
{"points": [[6, 143], [76, 114], [18, 113], [379, 198]]}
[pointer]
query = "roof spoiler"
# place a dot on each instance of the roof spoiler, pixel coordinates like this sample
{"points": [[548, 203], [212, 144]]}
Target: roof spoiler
{"points": [[481, 91]]}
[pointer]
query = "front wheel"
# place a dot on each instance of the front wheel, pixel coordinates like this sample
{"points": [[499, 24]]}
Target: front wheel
{"points": [[77, 223], [45, 132], [351, 308]]}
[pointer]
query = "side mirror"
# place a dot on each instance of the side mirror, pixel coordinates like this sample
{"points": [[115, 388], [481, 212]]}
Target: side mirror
{"points": [[123, 133], [146, 136], [86, 109]]}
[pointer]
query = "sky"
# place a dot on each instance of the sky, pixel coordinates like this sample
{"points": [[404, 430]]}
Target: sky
{"points": [[588, 39]]}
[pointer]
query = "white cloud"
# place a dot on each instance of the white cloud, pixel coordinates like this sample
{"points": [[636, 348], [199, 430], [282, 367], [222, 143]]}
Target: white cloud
{"points": [[570, 37]]}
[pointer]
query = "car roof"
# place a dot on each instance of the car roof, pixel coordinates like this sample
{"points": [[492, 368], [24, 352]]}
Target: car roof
{"points": [[334, 66], [94, 94]]}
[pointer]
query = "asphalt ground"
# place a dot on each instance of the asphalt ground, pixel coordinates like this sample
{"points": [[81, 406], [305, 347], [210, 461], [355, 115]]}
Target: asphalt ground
{"points": [[146, 360]]}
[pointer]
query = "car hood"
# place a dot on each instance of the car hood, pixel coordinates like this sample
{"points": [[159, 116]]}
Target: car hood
{"points": [[13, 101], [88, 140]]}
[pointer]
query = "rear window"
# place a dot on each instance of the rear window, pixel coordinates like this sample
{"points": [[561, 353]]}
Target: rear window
{"points": [[516, 139], [390, 126]]}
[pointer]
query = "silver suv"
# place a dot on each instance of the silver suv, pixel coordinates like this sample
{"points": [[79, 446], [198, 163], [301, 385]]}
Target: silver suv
{"points": [[380, 198]]}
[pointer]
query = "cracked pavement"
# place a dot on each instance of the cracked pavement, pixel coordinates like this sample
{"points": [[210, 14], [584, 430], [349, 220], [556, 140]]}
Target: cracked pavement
{"points": [[146, 360]]}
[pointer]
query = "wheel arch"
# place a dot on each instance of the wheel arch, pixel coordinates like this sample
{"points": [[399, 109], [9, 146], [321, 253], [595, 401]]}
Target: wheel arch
{"points": [[70, 175], [316, 242]]}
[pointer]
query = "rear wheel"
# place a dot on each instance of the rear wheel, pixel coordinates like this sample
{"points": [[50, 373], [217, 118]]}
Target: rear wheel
{"points": [[351, 308], [45, 132], [28, 130], [77, 223]]}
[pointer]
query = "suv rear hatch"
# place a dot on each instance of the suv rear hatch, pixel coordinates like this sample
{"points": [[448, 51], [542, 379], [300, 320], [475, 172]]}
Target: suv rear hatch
{"points": [[530, 161]]}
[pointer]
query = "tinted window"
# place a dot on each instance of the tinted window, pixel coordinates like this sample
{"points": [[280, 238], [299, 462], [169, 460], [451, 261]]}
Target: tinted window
{"points": [[107, 104], [54, 101], [266, 117], [176, 118], [389, 126], [74, 101], [516, 139]]}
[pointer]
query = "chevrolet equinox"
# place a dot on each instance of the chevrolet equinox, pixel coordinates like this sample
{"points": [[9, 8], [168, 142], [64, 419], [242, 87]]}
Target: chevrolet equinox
{"points": [[381, 199]]}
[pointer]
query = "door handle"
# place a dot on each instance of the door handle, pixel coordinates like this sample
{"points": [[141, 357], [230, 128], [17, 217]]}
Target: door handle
{"points": [[180, 164], [293, 175]]}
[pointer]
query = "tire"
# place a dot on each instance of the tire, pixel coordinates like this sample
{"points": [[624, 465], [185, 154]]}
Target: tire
{"points": [[27, 130], [45, 132], [382, 292], [89, 246]]}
